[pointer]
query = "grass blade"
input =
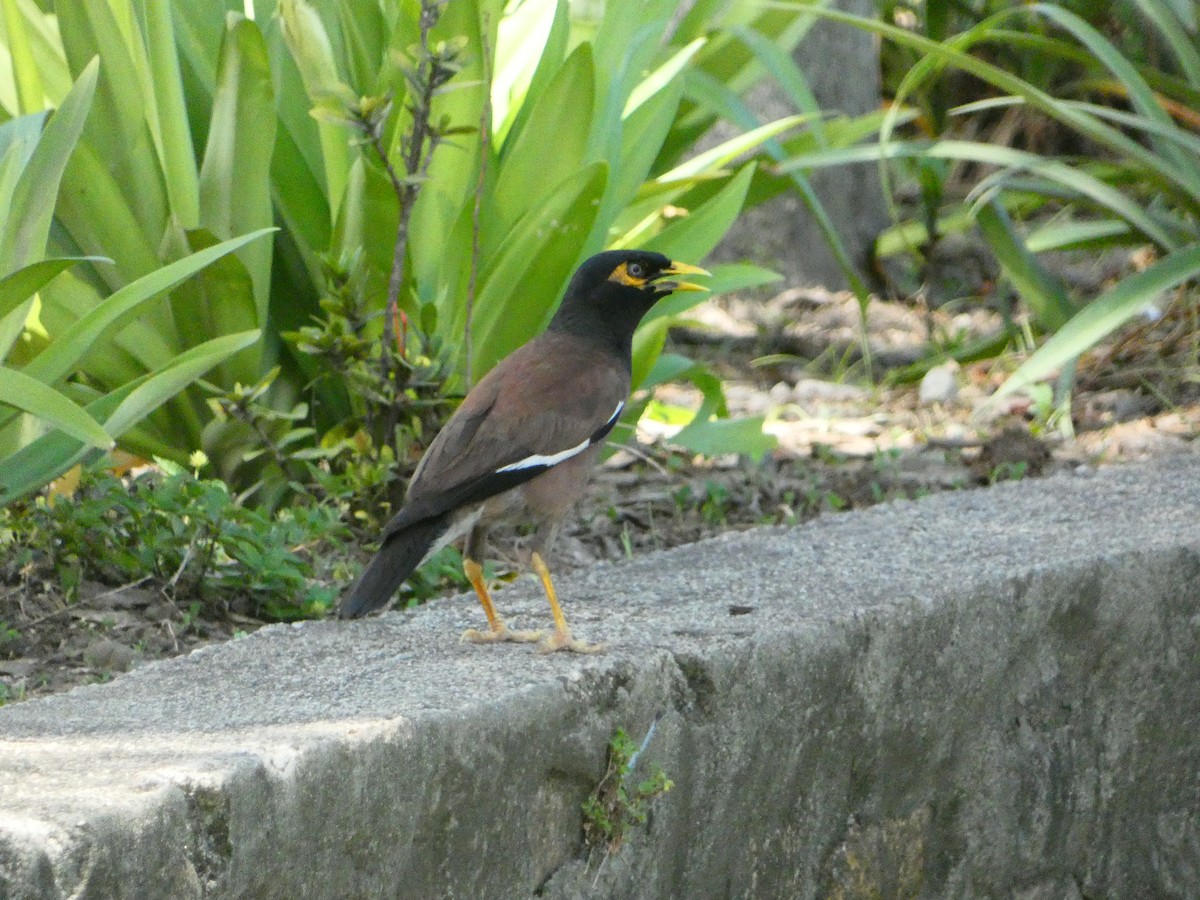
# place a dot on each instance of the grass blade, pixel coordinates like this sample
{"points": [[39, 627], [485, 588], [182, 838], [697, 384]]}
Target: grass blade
{"points": [[1104, 315]]}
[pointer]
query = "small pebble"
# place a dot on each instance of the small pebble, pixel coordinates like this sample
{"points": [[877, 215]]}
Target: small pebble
{"points": [[940, 384]]}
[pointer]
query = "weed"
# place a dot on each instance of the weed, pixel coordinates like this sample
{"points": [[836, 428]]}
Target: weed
{"points": [[617, 803], [8, 634], [8, 695], [1008, 471], [189, 535]]}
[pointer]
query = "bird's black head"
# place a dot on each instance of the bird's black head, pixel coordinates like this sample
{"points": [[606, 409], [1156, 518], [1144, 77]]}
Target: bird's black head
{"points": [[611, 292]]}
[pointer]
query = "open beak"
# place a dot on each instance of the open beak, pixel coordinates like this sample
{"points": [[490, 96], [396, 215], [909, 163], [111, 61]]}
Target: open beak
{"points": [[678, 268]]}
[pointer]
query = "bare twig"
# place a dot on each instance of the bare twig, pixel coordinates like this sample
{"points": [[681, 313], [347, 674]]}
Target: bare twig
{"points": [[75, 607]]}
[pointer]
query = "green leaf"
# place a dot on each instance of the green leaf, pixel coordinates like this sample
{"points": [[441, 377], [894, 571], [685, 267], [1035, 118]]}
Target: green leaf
{"points": [[660, 78], [1104, 315], [119, 131], [726, 278], [32, 396], [692, 237], [717, 437], [173, 136], [312, 53], [235, 183], [22, 284], [519, 289], [1043, 293], [218, 300], [69, 347], [709, 431], [168, 381], [35, 192], [37, 464], [30, 92], [526, 170]]}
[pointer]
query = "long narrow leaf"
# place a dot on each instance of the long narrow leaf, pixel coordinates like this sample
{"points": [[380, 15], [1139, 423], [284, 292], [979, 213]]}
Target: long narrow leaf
{"points": [[33, 197], [31, 95], [1044, 295], [22, 284], [235, 180], [174, 138], [35, 465], [68, 348], [29, 395], [1104, 315]]}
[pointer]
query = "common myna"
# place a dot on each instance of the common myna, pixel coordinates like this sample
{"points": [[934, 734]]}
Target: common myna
{"points": [[522, 444]]}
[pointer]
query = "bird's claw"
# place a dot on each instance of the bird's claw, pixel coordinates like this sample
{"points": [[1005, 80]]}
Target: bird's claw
{"points": [[503, 633], [562, 640]]}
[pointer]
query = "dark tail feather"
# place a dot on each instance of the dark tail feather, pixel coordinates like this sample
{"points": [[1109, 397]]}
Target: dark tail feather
{"points": [[401, 552]]}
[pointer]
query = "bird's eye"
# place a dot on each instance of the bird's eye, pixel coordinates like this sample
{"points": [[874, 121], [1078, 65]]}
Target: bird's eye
{"points": [[636, 270]]}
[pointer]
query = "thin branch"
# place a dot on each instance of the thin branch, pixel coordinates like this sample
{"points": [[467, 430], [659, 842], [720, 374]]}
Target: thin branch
{"points": [[417, 151]]}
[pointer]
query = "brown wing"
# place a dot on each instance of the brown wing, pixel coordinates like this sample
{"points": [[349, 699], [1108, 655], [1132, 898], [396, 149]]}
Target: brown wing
{"points": [[550, 396]]}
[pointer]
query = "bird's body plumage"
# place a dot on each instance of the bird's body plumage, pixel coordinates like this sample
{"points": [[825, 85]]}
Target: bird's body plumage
{"points": [[523, 441]]}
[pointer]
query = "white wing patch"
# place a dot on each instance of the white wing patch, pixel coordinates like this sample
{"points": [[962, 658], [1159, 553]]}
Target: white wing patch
{"points": [[553, 459]]}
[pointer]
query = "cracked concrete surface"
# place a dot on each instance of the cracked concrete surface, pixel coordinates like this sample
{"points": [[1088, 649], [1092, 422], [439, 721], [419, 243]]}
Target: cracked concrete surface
{"points": [[981, 694]]}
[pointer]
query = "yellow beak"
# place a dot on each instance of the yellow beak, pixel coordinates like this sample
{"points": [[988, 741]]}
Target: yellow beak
{"points": [[679, 268]]}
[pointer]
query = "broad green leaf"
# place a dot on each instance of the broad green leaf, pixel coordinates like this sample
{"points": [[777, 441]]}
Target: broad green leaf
{"points": [[523, 283], [173, 137], [22, 284], [31, 94], [12, 326], [218, 300], [70, 347], [724, 279], [692, 237], [37, 187], [38, 399], [561, 118], [19, 136], [648, 343], [661, 77], [642, 134], [717, 437], [118, 130], [96, 211], [235, 196], [174, 377], [312, 52], [34, 466], [708, 431], [1104, 315], [510, 117], [523, 41]]}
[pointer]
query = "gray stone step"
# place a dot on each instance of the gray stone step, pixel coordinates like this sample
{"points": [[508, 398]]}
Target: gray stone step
{"points": [[989, 693]]}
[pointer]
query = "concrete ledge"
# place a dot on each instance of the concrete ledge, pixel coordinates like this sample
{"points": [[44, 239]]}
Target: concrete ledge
{"points": [[977, 695]]}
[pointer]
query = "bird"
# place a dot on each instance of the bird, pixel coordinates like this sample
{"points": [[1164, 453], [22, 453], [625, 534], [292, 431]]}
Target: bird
{"points": [[520, 447]]}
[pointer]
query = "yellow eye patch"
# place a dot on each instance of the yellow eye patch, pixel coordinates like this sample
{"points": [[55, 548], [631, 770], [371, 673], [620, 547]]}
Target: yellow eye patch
{"points": [[621, 275]]}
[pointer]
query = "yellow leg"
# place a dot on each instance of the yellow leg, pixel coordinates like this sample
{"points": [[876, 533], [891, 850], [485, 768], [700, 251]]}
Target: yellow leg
{"points": [[561, 639], [497, 630]]}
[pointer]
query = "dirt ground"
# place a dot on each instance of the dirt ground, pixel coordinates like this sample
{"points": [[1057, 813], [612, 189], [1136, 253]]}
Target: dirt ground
{"points": [[845, 441]]}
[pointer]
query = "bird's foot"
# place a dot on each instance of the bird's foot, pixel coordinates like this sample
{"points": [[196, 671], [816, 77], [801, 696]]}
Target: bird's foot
{"points": [[503, 633], [562, 640]]}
